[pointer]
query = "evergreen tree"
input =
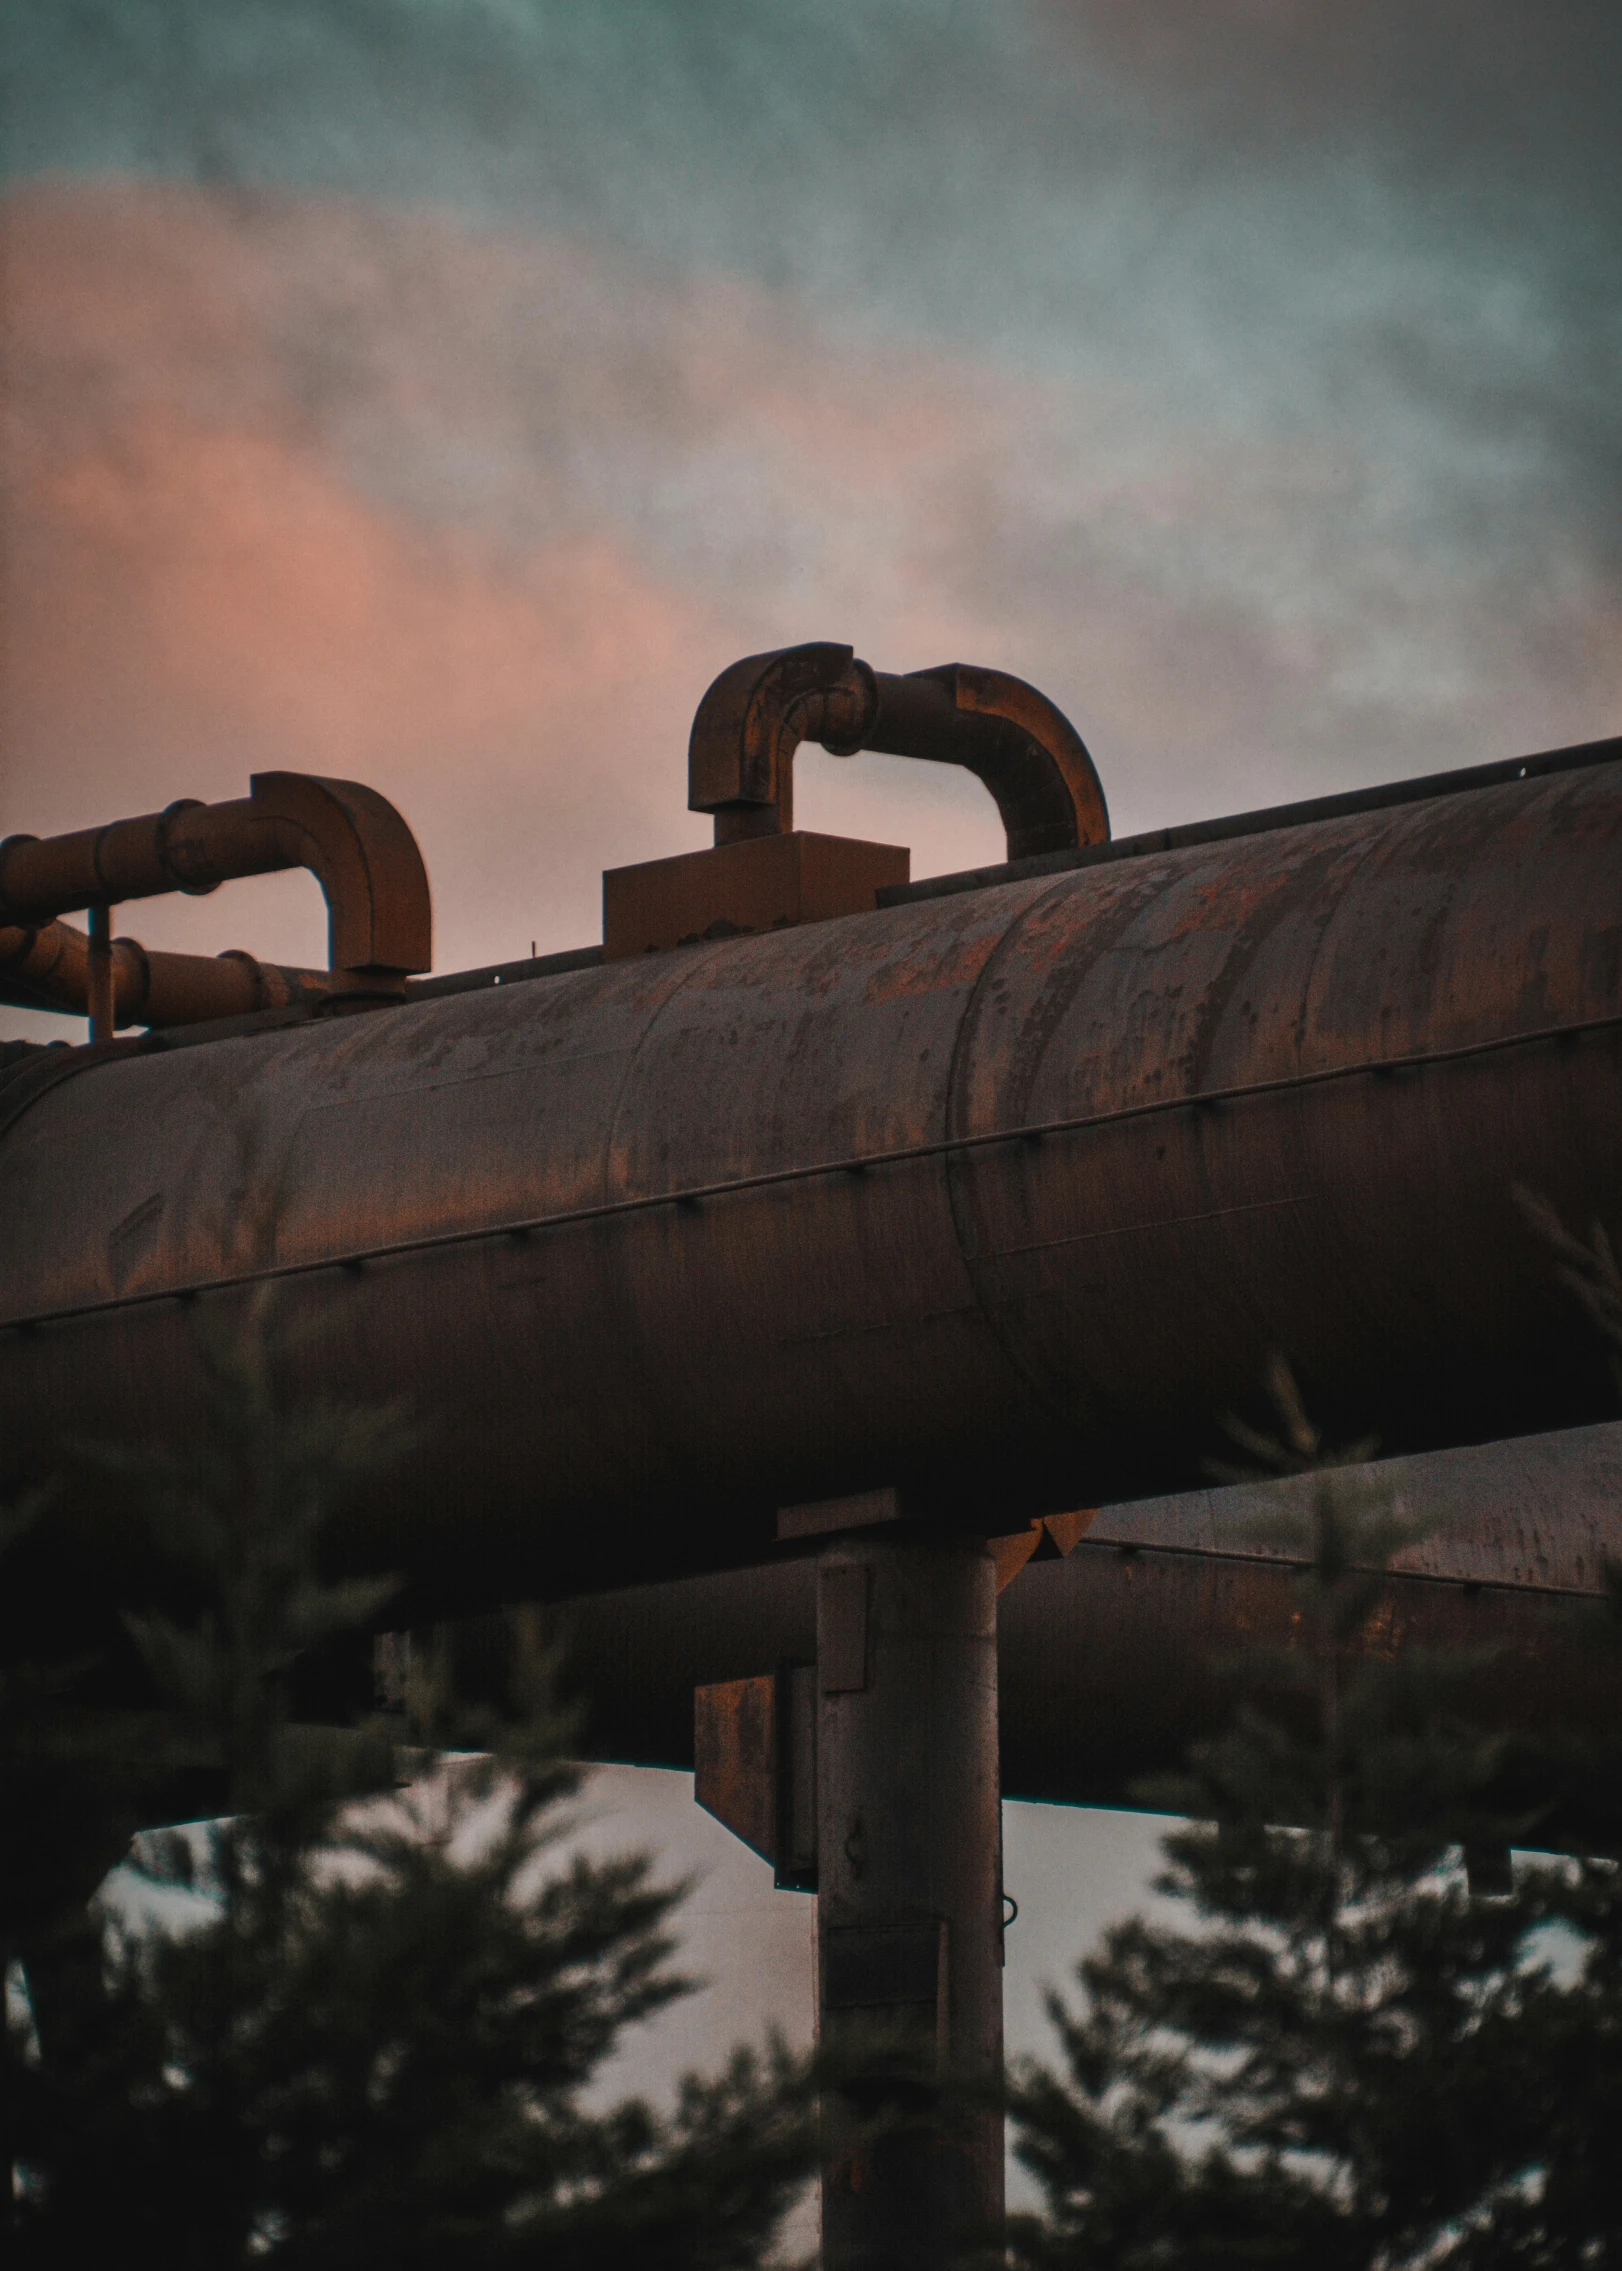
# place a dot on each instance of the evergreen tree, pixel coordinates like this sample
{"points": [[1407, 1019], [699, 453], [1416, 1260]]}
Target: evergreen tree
{"points": [[1340, 2052], [373, 2038]]}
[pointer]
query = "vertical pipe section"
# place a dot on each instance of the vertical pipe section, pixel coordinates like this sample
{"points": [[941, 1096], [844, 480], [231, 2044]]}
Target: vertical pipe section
{"points": [[909, 1910], [99, 973]]}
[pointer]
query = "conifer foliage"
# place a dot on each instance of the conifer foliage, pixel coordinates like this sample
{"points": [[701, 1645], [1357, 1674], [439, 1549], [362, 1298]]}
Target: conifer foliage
{"points": [[371, 2038], [1346, 2046]]}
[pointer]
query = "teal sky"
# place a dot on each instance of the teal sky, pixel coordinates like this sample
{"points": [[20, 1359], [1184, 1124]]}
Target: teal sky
{"points": [[1244, 373]]}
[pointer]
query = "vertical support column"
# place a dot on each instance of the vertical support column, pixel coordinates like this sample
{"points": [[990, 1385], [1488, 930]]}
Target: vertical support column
{"points": [[909, 1922], [99, 979]]}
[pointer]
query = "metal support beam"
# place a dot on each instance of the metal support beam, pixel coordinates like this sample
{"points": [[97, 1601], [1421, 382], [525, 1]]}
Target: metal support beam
{"points": [[99, 1005], [909, 1878]]}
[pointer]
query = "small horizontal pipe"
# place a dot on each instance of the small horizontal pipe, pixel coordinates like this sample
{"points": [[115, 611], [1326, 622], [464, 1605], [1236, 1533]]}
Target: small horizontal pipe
{"points": [[350, 839], [55, 967], [272, 997]]}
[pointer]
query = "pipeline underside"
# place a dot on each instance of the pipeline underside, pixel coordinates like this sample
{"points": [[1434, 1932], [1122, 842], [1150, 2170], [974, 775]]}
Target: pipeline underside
{"points": [[1117, 1657]]}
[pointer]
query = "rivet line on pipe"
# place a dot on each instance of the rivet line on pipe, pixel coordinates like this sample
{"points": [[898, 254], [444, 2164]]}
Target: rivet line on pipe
{"points": [[904, 1155]]}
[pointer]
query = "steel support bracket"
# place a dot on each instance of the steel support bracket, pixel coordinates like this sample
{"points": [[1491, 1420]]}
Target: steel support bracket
{"points": [[755, 1767]]}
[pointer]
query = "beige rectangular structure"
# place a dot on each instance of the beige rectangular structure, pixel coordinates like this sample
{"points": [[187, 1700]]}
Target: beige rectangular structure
{"points": [[765, 883]]}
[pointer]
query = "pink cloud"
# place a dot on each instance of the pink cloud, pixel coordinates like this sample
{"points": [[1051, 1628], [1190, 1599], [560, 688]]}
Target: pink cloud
{"points": [[475, 517]]}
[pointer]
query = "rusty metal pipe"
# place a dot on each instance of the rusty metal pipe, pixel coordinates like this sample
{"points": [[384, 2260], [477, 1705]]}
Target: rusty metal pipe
{"points": [[1116, 1656], [1112, 1661], [1288, 1084], [349, 838], [755, 715], [1304, 812], [53, 968], [1113, 1658]]}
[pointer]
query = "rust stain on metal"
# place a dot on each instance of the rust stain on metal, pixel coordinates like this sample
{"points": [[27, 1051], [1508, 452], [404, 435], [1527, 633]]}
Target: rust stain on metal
{"points": [[1068, 1530], [1048, 1538], [735, 1753], [1012, 1553], [1111, 1666]]}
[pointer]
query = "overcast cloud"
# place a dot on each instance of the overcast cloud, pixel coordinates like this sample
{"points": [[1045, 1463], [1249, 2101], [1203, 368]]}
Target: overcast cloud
{"points": [[441, 390]]}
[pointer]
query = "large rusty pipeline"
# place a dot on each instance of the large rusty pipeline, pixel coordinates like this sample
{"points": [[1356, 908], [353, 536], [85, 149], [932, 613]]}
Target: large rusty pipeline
{"points": [[1000, 1198]]}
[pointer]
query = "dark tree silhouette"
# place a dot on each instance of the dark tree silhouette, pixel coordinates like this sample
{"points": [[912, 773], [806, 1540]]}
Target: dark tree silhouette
{"points": [[1355, 2048], [370, 2034]]}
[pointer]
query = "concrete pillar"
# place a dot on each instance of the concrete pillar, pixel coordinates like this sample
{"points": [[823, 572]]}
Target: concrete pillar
{"points": [[909, 1884]]}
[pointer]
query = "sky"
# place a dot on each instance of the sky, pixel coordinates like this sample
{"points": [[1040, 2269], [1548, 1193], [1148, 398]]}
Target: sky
{"points": [[438, 393]]}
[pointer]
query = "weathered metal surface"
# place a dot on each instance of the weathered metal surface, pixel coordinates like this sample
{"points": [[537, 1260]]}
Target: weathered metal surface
{"points": [[1537, 1510], [755, 1766], [1000, 1199], [765, 883], [909, 1883], [1304, 812], [735, 1758], [1113, 1659], [1111, 1662], [740, 759]]}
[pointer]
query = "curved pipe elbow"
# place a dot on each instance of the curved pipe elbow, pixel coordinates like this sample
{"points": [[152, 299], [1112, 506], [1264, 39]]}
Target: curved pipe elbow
{"points": [[1010, 736], [353, 841], [350, 839]]}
